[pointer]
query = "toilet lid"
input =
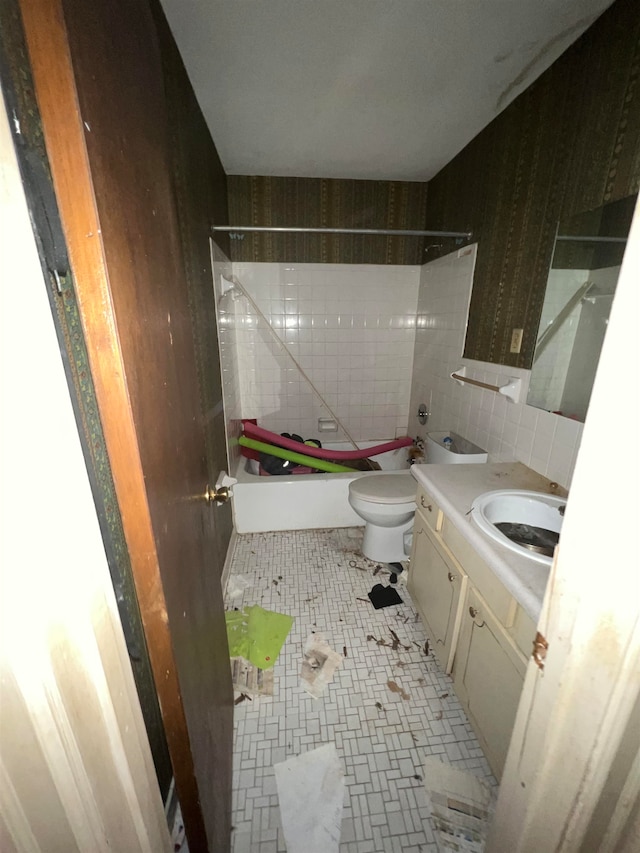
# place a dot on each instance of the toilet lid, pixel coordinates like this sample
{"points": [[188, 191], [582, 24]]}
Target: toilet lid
{"points": [[384, 488]]}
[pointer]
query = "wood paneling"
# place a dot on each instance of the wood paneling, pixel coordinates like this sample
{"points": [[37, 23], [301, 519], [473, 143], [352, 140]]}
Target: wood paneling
{"points": [[568, 144], [100, 84], [324, 203]]}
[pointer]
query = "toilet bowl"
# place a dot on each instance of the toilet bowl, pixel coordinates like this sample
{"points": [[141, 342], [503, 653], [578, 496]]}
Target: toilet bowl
{"points": [[386, 502]]}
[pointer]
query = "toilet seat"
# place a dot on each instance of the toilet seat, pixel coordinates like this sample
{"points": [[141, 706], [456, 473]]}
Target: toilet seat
{"points": [[384, 488]]}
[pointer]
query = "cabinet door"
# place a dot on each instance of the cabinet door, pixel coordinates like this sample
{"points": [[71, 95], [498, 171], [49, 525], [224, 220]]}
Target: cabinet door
{"points": [[488, 675], [436, 585]]}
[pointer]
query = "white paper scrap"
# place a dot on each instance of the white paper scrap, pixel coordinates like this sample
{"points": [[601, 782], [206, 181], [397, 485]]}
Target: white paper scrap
{"points": [[237, 584], [461, 807], [319, 664], [248, 678], [311, 796]]}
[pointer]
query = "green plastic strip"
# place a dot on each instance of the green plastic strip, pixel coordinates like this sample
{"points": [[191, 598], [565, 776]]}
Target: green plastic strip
{"points": [[256, 634], [292, 456]]}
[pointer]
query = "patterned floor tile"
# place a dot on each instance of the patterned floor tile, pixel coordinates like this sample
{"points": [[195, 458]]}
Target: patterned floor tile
{"points": [[388, 706]]}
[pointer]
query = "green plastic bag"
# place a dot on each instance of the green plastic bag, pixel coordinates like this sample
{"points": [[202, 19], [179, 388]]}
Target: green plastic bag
{"points": [[257, 634]]}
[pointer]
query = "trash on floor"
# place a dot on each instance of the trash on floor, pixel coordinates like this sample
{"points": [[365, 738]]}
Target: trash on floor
{"points": [[178, 835], [256, 634], [237, 584], [318, 665], [393, 645], [384, 596], [311, 796], [250, 679], [395, 688], [461, 807]]}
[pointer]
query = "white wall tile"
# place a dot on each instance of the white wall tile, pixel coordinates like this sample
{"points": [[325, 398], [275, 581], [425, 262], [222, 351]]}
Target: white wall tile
{"points": [[352, 330], [508, 431]]}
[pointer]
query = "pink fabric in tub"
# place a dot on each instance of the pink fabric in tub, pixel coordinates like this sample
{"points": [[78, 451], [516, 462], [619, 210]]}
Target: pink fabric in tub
{"points": [[253, 431]]}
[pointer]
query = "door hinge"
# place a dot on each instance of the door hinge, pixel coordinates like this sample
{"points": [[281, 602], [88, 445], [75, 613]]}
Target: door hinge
{"points": [[61, 280], [540, 646]]}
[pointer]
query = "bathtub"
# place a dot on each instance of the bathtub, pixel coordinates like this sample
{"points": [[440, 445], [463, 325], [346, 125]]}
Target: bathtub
{"points": [[301, 501]]}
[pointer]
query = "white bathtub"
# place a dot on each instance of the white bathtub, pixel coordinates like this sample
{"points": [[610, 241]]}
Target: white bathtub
{"points": [[302, 501]]}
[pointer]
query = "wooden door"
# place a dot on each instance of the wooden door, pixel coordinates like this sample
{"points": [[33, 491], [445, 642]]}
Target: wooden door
{"points": [[99, 77]]}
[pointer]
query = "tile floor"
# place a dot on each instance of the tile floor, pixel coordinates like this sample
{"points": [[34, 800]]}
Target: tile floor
{"points": [[318, 577]]}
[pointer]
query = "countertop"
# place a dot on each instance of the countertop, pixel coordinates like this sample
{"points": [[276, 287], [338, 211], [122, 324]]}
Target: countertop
{"points": [[454, 488]]}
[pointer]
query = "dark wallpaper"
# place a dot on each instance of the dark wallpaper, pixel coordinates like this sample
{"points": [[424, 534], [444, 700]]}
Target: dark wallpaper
{"points": [[568, 144], [325, 203]]}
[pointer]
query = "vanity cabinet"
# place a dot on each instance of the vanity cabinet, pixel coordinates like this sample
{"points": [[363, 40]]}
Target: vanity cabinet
{"points": [[488, 674], [437, 585], [476, 629]]}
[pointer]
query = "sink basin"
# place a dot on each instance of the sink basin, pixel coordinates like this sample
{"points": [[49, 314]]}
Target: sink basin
{"points": [[528, 523]]}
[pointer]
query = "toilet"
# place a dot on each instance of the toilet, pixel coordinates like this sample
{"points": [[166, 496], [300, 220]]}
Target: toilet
{"points": [[386, 502]]}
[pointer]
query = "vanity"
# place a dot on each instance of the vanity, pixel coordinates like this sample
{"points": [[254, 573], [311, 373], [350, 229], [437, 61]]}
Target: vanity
{"points": [[479, 601]]}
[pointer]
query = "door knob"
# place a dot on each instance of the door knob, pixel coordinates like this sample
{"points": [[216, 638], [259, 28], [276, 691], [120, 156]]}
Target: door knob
{"points": [[221, 492], [217, 495]]}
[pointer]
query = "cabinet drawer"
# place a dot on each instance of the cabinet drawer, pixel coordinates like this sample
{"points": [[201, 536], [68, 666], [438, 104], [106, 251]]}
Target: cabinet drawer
{"points": [[494, 593], [429, 509]]}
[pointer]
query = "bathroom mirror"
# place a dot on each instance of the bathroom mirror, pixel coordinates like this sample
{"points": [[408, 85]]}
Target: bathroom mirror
{"points": [[581, 284]]}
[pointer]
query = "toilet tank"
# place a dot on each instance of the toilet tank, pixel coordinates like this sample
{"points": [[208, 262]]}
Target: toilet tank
{"points": [[449, 448]]}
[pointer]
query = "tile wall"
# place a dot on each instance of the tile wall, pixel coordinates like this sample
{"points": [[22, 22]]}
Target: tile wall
{"points": [[508, 431], [351, 329], [230, 319]]}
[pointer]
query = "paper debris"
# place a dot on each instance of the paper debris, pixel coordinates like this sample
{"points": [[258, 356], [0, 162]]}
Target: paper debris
{"points": [[250, 679], [461, 807], [311, 796], [394, 687], [237, 584], [318, 665]]}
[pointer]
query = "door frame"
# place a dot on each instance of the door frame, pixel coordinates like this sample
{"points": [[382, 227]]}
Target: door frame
{"points": [[570, 776], [64, 131]]}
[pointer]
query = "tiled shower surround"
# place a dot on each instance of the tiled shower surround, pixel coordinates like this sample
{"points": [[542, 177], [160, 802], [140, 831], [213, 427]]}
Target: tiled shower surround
{"points": [[376, 341], [351, 329], [509, 431]]}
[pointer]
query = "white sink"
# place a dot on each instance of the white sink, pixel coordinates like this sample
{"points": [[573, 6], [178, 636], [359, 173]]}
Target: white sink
{"points": [[524, 516]]}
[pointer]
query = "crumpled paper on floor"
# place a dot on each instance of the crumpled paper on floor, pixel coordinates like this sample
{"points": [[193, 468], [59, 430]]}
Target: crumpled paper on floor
{"points": [[250, 679], [461, 807], [311, 797], [237, 584], [319, 664]]}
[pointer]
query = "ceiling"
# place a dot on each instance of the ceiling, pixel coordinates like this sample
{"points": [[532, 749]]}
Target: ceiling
{"points": [[377, 89]]}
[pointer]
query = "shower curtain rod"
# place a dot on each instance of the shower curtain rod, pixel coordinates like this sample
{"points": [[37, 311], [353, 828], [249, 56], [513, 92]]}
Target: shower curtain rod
{"points": [[384, 232], [570, 239]]}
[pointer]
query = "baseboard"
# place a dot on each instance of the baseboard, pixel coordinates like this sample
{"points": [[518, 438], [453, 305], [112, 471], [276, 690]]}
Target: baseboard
{"points": [[226, 569], [171, 804]]}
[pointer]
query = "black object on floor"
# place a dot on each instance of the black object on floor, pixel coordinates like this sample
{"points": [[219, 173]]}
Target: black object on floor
{"points": [[396, 569], [384, 596]]}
